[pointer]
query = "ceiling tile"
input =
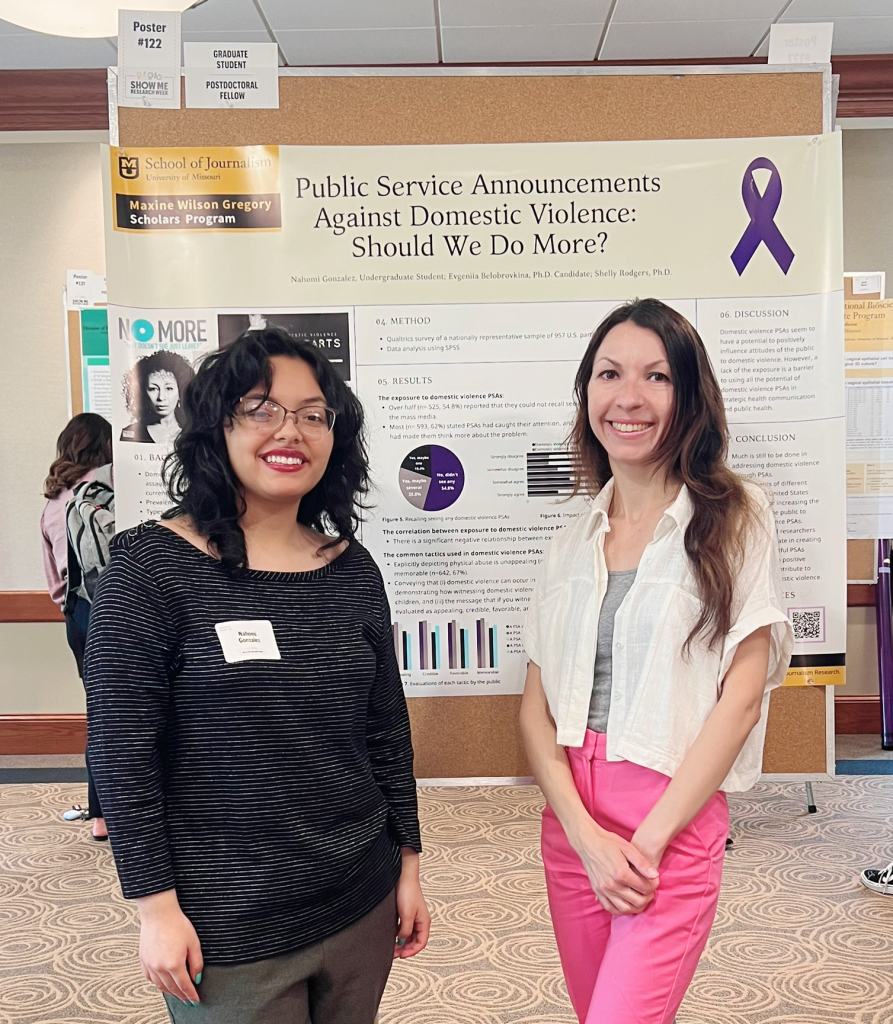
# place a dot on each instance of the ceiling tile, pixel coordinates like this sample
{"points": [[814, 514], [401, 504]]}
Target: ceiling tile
{"points": [[637, 11], [520, 43], [242, 36], [680, 40], [831, 10], [466, 13], [347, 15], [23, 50], [222, 16], [862, 35], [860, 26], [359, 46]]}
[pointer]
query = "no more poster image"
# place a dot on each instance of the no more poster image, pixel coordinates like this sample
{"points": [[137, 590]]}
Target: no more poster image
{"points": [[153, 389]]}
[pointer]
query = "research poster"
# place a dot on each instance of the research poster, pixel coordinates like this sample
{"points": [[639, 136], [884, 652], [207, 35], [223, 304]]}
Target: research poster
{"points": [[455, 288], [86, 342], [869, 408], [91, 349]]}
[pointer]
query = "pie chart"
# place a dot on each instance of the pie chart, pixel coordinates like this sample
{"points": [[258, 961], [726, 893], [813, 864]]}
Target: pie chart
{"points": [[431, 477]]}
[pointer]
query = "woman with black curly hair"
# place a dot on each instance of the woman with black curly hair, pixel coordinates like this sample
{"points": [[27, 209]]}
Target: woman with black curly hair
{"points": [[248, 730], [154, 390]]}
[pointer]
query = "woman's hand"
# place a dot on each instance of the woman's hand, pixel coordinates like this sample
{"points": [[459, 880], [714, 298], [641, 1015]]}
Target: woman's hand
{"points": [[414, 921], [622, 878], [649, 844], [170, 952]]}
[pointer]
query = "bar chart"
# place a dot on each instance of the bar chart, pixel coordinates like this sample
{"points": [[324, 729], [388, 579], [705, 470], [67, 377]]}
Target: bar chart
{"points": [[550, 472], [428, 646]]}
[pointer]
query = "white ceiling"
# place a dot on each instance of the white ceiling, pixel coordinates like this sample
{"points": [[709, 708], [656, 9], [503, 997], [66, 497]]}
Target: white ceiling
{"points": [[311, 32]]}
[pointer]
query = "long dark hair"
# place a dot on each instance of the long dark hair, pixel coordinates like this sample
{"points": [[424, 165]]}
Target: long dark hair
{"points": [[693, 449], [137, 388], [84, 444], [198, 474]]}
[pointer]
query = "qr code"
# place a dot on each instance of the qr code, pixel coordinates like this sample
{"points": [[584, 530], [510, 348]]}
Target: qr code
{"points": [[808, 623]]}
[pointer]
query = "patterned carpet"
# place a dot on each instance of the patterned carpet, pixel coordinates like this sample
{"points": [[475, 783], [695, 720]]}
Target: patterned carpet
{"points": [[796, 941]]}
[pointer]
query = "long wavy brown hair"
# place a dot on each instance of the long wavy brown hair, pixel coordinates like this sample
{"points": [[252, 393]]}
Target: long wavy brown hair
{"points": [[693, 449], [84, 444]]}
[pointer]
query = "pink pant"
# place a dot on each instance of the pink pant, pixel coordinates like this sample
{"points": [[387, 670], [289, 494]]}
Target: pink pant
{"points": [[635, 969]]}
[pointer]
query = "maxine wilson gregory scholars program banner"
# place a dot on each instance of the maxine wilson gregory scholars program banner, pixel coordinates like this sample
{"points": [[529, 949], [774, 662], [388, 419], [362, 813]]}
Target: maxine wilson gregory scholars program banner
{"points": [[455, 288]]}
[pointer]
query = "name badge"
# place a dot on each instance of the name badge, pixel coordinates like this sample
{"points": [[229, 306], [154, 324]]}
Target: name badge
{"points": [[248, 640]]}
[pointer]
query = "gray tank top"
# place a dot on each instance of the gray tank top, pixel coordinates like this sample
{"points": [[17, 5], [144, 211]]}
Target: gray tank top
{"points": [[600, 702]]}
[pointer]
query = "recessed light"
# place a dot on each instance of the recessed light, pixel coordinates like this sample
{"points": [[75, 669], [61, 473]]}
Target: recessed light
{"points": [[81, 19]]}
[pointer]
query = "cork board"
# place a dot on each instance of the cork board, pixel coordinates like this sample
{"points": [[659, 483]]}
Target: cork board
{"points": [[381, 111], [795, 737], [74, 361], [861, 560], [485, 741], [478, 736]]}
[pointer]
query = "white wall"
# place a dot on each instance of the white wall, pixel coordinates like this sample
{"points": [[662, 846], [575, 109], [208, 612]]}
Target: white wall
{"points": [[37, 671], [868, 201], [50, 222]]}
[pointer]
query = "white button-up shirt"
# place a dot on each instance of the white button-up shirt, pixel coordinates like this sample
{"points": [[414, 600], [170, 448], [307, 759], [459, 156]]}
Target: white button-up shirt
{"points": [[660, 698]]}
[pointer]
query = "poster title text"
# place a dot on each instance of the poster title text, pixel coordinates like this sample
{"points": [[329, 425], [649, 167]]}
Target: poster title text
{"points": [[541, 204]]}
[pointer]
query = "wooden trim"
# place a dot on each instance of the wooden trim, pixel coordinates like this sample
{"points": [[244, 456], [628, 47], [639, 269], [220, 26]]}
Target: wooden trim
{"points": [[52, 101], [67, 734], [36, 606], [43, 734], [77, 100], [857, 714], [860, 595], [28, 606], [866, 85]]}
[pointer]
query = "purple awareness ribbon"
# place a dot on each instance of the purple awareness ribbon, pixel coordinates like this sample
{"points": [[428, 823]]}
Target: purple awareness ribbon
{"points": [[762, 227]]}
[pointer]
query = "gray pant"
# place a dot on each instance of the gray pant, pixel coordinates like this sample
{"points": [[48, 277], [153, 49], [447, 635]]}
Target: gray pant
{"points": [[337, 981]]}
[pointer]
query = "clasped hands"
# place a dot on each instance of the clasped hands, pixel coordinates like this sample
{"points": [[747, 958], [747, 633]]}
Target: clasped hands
{"points": [[624, 875]]}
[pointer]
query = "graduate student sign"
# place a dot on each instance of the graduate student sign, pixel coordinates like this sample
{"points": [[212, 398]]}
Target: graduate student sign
{"points": [[455, 287]]}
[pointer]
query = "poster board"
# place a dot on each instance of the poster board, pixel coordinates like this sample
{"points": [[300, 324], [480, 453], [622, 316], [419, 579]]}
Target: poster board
{"points": [[861, 554], [86, 341], [88, 359], [868, 334], [477, 736]]}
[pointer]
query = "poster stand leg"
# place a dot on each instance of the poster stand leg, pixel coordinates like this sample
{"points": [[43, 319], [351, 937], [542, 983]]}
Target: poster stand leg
{"points": [[810, 799], [883, 608]]}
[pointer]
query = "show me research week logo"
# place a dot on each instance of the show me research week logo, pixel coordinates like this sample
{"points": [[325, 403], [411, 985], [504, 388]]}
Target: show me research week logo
{"points": [[196, 189]]}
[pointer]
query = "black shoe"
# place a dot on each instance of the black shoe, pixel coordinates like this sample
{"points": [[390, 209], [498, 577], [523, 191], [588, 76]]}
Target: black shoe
{"points": [[878, 879]]}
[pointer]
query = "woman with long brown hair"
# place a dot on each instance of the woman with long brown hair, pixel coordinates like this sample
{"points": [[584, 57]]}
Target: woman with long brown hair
{"points": [[83, 446], [655, 636]]}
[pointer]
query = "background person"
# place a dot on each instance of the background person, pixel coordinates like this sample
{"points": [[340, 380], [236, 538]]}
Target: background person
{"points": [[655, 635], [83, 446], [154, 390], [247, 719]]}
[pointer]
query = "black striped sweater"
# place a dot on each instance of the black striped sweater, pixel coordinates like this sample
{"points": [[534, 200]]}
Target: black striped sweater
{"points": [[274, 796]]}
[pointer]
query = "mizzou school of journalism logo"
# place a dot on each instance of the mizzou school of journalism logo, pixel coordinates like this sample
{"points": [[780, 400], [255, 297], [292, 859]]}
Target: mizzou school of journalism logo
{"points": [[129, 166]]}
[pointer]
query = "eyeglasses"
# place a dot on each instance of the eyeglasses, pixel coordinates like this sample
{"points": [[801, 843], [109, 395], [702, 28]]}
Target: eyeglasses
{"points": [[313, 421]]}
